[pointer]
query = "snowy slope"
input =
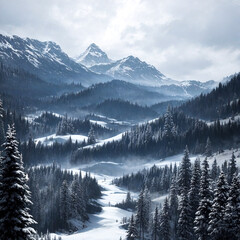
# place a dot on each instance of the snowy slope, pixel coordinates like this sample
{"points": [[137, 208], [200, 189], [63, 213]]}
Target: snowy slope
{"points": [[101, 142], [106, 224], [49, 140], [226, 120]]}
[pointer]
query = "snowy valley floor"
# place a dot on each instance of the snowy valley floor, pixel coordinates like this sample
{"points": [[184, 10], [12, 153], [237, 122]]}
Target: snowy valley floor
{"points": [[106, 225]]}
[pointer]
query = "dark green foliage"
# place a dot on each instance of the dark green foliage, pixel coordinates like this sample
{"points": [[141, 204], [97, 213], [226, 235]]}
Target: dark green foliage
{"points": [[164, 221], [15, 220], [132, 232], [221, 102], [148, 140], [184, 175], [40, 153], [122, 110], [216, 229], [58, 196], [184, 230], [128, 203], [157, 179]]}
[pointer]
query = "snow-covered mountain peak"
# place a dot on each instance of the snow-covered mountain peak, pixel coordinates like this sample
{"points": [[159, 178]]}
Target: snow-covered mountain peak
{"points": [[133, 70], [94, 47], [93, 55], [44, 59]]}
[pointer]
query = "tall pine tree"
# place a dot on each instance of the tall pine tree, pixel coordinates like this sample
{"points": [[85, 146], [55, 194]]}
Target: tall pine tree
{"points": [[132, 232], [216, 223], [194, 197], [1, 124], [202, 214], [15, 220], [184, 177], [232, 211], [232, 168], [184, 227], [155, 227], [165, 221]]}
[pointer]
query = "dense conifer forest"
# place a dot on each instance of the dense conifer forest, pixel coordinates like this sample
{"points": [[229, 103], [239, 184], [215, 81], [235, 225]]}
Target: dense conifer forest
{"points": [[201, 202]]}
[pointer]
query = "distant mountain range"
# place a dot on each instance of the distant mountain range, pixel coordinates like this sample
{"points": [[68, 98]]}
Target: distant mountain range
{"points": [[47, 61], [133, 70], [115, 89]]}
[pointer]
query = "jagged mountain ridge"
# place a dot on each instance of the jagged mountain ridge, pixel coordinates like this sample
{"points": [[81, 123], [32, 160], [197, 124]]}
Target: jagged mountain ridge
{"points": [[133, 70], [46, 60]]}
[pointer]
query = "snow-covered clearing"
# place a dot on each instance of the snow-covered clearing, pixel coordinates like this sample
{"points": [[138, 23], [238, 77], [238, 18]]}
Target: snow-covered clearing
{"points": [[101, 142], [49, 140], [226, 120], [105, 225], [101, 123], [31, 117]]}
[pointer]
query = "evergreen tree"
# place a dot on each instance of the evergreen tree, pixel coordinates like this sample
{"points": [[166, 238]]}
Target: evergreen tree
{"points": [[184, 228], [232, 168], [204, 208], [184, 177], [225, 167], [142, 215], [232, 212], [193, 196], [91, 136], [169, 129], [64, 202], [208, 148], [155, 227], [1, 124], [132, 232], [165, 221], [76, 199], [216, 224], [65, 127], [214, 171], [128, 197], [173, 208], [147, 203], [15, 220]]}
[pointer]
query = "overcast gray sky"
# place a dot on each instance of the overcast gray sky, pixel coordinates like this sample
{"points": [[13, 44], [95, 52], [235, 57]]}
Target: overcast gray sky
{"points": [[184, 39]]}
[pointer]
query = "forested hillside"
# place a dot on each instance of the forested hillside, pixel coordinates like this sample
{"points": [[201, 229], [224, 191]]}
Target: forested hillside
{"points": [[164, 137], [20, 83], [222, 102], [201, 202], [122, 110]]}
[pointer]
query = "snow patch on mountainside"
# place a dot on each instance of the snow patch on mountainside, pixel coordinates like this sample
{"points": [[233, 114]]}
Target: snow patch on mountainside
{"points": [[101, 142], [49, 140]]}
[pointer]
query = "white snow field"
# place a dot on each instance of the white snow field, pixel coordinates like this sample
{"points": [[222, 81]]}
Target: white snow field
{"points": [[106, 224], [49, 140], [226, 120], [101, 142]]}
